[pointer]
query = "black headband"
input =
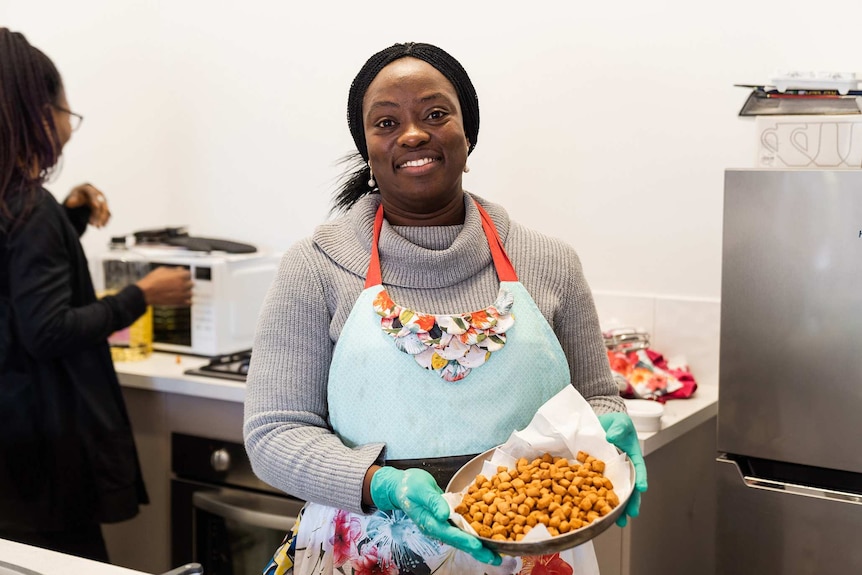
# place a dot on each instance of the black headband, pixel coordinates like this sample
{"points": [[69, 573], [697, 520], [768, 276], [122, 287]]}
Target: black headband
{"points": [[437, 57]]}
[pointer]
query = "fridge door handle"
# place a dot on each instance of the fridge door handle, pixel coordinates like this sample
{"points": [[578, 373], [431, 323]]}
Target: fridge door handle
{"points": [[793, 488]]}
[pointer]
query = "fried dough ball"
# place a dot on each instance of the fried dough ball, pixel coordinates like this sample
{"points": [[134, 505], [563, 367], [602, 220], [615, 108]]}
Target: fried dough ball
{"points": [[563, 495]]}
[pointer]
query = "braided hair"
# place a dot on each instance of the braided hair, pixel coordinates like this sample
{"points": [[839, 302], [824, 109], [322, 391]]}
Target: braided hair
{"points": [[353, 183], [29, 85]]}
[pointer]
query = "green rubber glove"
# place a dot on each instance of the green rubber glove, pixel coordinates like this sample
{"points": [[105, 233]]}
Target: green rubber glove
{"points": [[620, 432], [415, 492]]}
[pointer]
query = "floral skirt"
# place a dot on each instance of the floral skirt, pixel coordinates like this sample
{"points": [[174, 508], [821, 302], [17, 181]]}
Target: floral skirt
{"points": [[325, 540]]}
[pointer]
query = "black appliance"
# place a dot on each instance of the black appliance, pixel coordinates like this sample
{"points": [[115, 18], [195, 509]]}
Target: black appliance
{"points": [[179, 237], [230, 366], [222, 515]]}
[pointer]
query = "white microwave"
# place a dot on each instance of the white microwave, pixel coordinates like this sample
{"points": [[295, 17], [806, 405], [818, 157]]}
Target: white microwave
{"points": [[228, 293]]}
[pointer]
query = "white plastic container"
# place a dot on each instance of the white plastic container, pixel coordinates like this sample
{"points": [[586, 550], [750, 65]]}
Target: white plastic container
{"points": [[645, 413]]}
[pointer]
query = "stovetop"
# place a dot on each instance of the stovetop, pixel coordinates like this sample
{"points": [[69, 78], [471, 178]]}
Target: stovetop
{"points": [[232, 366]]}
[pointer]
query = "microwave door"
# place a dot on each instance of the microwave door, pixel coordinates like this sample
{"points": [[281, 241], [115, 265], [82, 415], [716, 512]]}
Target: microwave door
{"points": [[172, 325]]}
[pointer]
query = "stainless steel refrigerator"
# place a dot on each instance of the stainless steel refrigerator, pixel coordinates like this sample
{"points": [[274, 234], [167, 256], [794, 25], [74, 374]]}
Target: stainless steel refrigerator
{"points": [[790, 394]]}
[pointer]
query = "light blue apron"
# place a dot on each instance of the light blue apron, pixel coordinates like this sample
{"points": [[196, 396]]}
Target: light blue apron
{"points": [[379, 393]]}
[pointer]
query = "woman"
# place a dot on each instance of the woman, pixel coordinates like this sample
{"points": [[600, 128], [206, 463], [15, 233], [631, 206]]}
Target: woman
{"points": [[67, 457], [349, 400]]}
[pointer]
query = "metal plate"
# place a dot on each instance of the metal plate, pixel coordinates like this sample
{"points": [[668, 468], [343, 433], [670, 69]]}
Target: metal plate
{"points": [[760, 103], [467, 474]]}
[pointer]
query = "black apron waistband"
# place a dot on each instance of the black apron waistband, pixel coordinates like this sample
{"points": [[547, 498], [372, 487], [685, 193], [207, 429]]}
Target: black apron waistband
{"points": [[441, 468]]}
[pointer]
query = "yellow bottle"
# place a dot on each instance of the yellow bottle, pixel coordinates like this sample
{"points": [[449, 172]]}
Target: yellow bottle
{"points": [[134, 342]]}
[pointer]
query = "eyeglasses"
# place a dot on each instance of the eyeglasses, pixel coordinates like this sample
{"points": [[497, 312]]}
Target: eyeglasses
{"points": [[74, 119]]}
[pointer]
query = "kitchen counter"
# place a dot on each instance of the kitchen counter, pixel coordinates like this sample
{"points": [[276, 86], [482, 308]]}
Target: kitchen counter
{"points": [[681, 416], [45, 562], [163, 372]]}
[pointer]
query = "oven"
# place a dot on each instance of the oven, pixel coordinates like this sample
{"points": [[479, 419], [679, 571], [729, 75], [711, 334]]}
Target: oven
{"points": [[222, 515]]}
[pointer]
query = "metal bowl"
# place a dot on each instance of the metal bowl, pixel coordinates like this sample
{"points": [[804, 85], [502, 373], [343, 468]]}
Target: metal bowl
{"points": [[467, 474]]}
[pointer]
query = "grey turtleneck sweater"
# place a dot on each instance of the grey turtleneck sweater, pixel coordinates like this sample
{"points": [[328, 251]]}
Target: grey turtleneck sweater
{"points": [[442, 270]]}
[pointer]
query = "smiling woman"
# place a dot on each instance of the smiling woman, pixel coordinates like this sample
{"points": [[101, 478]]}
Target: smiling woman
{"points": [[417, 148], [417, 329], [456, 91]]}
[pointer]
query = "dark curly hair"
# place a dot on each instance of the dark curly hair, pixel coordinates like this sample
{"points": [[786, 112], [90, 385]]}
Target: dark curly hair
{"points": [[29, 85]]}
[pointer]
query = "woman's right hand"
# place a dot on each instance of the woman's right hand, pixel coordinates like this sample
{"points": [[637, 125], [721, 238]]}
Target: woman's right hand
{"points": [[415, 492], [167, 286]]}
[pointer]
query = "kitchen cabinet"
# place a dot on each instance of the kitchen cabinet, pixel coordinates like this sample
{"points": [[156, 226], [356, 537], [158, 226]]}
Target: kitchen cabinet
{"points": [[675, 532]]}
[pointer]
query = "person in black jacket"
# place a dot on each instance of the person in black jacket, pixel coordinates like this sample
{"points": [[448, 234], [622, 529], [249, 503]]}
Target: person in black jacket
{"points": [[68, 461]]}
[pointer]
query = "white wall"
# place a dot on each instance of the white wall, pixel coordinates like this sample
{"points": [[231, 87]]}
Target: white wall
{"points": [[608, 124]]}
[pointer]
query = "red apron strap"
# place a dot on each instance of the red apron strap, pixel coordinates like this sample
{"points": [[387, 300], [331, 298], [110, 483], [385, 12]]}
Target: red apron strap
{"points": [[373, 277], [505, 270]]}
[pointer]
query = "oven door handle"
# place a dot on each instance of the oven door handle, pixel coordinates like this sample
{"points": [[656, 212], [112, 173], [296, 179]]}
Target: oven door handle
{"points": [[227, 507]]}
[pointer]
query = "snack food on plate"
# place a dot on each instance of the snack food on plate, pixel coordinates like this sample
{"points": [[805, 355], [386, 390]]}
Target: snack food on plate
{"points": [[561, 495]]}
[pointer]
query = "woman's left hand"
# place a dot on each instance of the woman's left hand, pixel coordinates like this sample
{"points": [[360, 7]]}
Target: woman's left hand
{"points": [[89, 195], [620, 432]]}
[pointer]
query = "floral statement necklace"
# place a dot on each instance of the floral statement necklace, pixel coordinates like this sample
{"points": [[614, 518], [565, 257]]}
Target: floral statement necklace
{"points": [[451, 345]]}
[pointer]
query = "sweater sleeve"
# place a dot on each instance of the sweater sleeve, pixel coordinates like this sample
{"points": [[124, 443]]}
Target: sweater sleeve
{"points": [[286, 429], [577, 328], [41, 279]]}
